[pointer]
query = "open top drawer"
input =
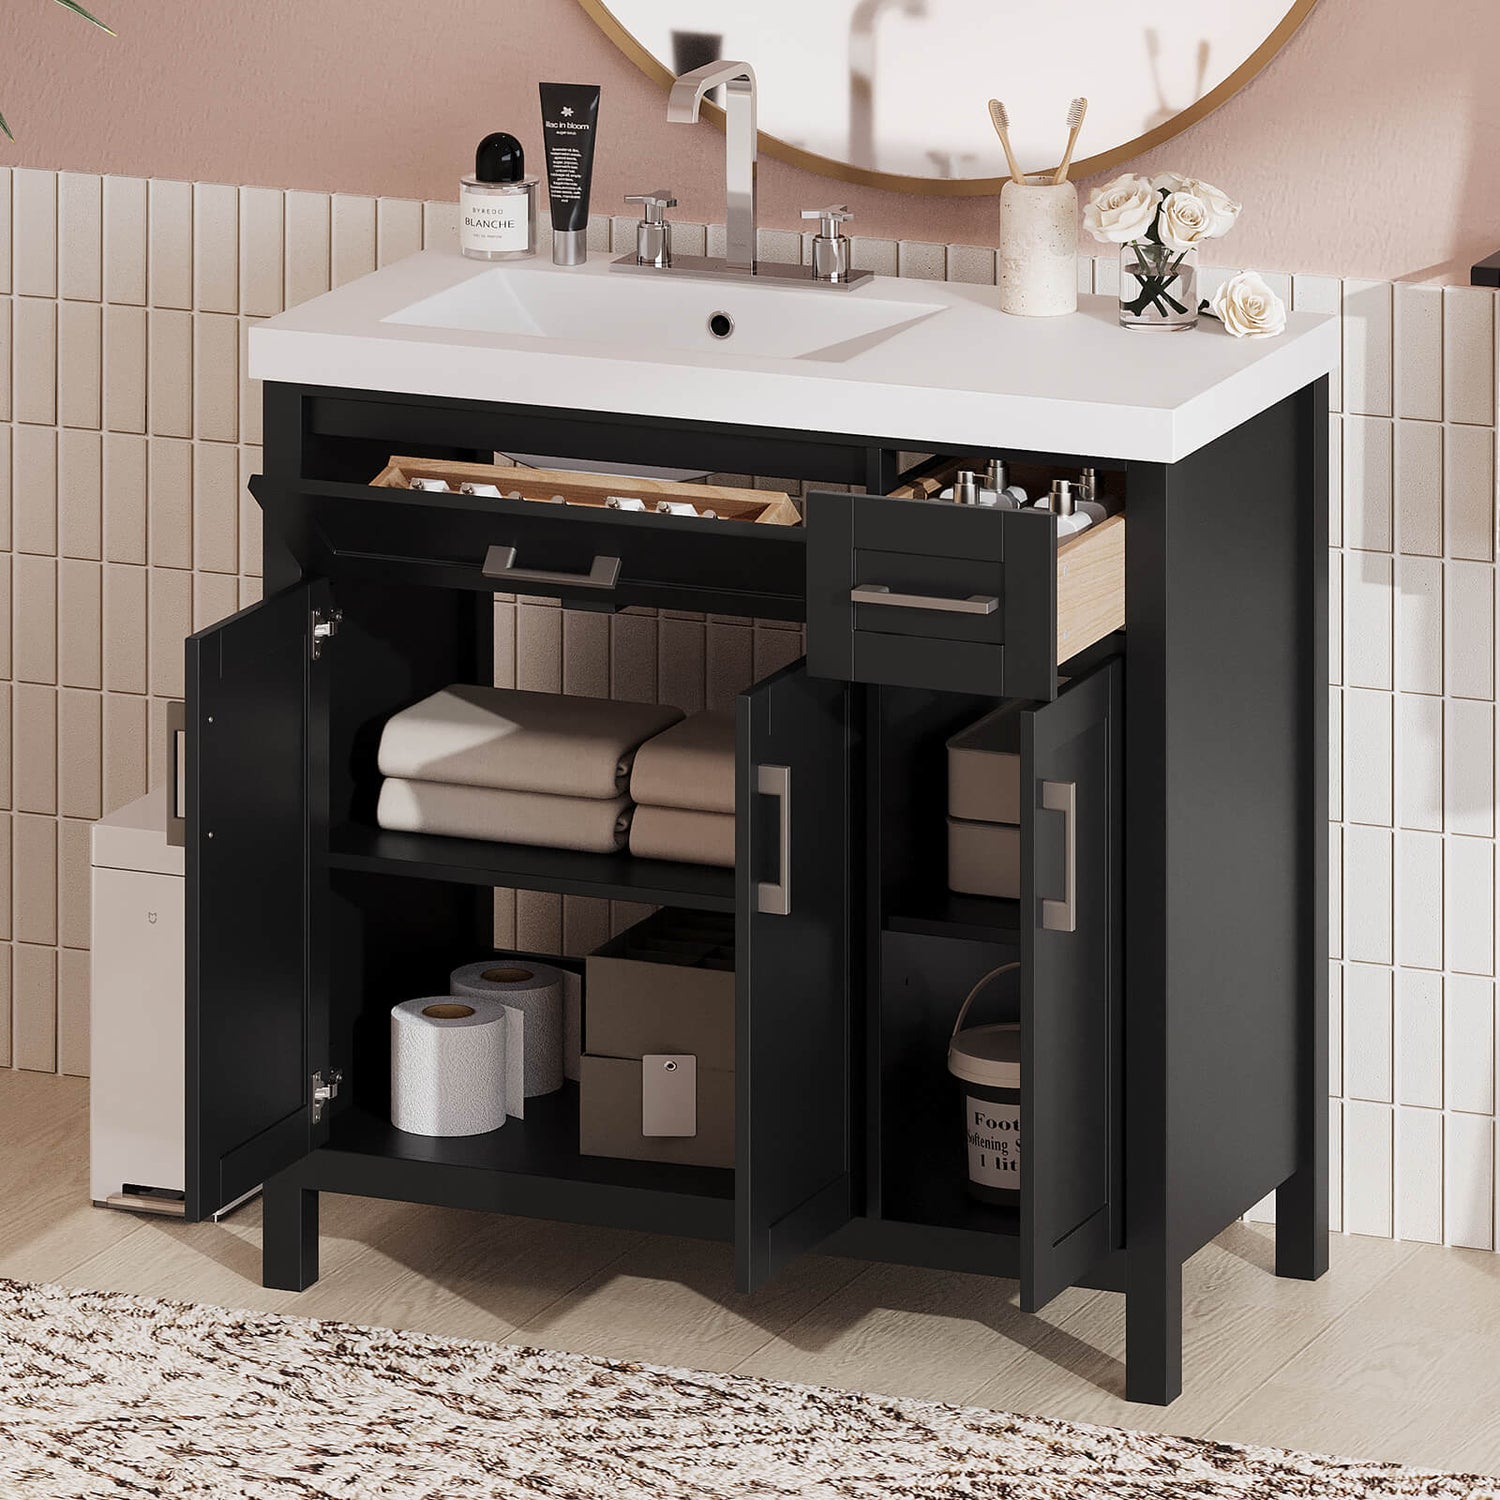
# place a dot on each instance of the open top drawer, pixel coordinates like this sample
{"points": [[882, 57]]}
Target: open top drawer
{"points": [[581, 552], [925, 593]]}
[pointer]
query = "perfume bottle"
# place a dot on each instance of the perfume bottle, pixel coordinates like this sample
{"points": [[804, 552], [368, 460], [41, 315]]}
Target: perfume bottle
{"points": [[497, 205]]}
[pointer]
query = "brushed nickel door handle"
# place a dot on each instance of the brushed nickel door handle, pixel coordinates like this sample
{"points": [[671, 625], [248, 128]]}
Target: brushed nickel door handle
{"points": [[1062, 796], [774, 897], [500, 563], [176, 774], [879, 593]]}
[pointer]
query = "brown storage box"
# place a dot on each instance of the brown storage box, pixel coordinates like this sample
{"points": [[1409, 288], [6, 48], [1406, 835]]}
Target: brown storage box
{"points": [[984, 859], [763, 507], [665, 985], [609, 1116], [984, 770]]}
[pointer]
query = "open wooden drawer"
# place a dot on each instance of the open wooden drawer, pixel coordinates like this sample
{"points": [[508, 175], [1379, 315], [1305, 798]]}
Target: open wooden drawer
{"points": [[916, 592], [746, 560]]}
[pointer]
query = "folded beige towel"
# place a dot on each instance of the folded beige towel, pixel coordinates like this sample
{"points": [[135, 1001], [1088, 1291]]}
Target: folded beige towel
{"points": [[696, 838], [521, 742], [689, 765], [592, 825]]}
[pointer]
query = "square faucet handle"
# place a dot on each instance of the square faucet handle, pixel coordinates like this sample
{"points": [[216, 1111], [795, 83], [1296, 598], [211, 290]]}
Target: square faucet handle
{"points": [[830, 219], [653, 205]]}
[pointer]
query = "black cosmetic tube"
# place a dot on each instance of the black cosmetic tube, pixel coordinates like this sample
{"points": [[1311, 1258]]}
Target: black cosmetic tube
{"points": [[570, 112]]}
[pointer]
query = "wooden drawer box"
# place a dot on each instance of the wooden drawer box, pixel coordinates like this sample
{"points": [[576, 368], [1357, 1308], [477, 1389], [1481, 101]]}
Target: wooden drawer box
{"points": [[548, 486], [914, 592], [748, 561]]}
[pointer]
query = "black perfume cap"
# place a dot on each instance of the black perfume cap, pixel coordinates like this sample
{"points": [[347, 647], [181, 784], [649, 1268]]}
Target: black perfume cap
{"points": [[500, 158]]}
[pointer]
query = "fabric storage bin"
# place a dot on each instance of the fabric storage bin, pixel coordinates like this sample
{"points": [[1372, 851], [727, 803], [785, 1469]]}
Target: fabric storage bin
{"points": [[984, 807], [661, 991], [984, 859], [984, 770]]}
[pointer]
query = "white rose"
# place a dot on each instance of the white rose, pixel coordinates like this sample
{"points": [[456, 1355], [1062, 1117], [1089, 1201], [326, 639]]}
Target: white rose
{"points": [[1222, 209], [1184, 221], [1248, 308], [1171, 182], [1121, 210]]}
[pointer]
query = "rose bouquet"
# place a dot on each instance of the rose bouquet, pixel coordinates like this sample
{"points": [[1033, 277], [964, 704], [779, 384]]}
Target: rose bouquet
{"points": [[1159, 223]]}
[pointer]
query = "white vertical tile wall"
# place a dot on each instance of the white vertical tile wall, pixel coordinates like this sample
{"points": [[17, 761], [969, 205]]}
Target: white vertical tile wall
{"points": [[128, 424]]}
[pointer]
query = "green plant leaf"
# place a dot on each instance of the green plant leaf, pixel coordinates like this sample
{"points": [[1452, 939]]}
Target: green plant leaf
{"points": [[78, 10], [9, 134]]}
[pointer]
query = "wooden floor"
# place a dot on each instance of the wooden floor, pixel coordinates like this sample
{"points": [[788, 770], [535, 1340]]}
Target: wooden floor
{"points": [[1394, 1355]]}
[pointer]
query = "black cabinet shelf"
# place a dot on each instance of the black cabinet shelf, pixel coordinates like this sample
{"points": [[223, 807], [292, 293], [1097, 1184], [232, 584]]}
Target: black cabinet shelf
{"points": [[943, 913], [616, 877], [530, 1167]]}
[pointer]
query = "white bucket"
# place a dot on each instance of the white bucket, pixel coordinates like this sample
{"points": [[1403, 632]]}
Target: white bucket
{"points": [[986, 1060]]}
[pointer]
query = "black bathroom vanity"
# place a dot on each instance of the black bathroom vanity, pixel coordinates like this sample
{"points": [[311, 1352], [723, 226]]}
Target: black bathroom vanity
{"points": [[1168, 672]]}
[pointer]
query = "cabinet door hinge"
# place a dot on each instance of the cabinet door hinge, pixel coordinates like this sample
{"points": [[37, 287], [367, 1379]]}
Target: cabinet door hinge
{"points": [[324, 627], [324, 1088]]}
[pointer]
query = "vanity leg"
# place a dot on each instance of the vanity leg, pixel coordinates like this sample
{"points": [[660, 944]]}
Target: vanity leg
{"points": [[1153, 1330], [289, 1234], [1302, 1220]]}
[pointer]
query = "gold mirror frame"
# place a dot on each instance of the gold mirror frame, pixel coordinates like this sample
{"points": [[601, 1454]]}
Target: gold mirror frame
{"points": [[967, 187]]}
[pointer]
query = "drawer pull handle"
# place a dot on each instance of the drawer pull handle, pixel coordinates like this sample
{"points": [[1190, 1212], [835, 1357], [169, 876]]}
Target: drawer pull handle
{"points": [[500, 562], [774, 897], [1062, 796], [878, 593]]}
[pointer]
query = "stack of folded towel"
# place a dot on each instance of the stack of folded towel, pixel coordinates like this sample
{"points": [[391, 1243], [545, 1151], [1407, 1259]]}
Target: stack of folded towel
{"points": [[683, 785], [516, 767]]}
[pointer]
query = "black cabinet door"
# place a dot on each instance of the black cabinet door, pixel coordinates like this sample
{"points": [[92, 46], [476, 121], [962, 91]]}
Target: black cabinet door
{"points": [[1070, 950], [792, 1044], [250, 681]]}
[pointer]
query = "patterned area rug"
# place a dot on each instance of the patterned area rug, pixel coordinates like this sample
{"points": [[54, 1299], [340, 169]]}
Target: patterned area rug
{"points": [[107, 1395]]}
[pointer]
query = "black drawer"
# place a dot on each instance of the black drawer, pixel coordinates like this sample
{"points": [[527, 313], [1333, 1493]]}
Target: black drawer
{"points": [[604, 559], [924, 593]]}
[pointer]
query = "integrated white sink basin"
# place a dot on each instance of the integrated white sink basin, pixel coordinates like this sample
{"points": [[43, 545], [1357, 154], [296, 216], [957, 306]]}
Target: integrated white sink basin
{"points": [[640, 314], [924, 366]]}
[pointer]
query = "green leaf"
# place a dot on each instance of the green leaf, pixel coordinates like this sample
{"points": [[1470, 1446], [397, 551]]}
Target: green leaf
{"points": [[78, 10], [9, 135]]}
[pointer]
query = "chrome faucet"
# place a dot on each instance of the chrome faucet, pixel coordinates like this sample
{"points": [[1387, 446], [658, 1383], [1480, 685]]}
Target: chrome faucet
{"points": [[653, 254], [740, 141]]}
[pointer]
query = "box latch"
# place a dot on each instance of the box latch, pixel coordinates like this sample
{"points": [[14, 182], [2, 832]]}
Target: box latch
{"points": [[669, 1094]]}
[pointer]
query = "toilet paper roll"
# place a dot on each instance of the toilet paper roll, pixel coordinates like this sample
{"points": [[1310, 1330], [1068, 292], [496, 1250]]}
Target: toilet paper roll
{"points": [[536, 992], [448, 1065]]}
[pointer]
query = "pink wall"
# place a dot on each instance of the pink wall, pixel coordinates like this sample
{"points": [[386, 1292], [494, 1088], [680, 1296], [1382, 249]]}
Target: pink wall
{"points": [[1370, 147]]}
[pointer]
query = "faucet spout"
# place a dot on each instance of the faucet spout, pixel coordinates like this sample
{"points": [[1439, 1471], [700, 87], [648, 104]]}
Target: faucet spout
{"points": [[740, 148]]}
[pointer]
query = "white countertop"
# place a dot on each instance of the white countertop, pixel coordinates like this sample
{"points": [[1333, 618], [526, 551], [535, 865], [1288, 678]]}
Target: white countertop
{"points": [[959, 373]]}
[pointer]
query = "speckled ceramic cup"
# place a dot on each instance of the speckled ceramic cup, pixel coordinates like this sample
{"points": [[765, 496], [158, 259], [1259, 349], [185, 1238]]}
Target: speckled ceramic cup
{"points": [[1037, 267]]}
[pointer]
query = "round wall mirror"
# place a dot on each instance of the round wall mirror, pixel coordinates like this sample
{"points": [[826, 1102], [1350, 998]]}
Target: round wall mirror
{"points": [[892, 92]]}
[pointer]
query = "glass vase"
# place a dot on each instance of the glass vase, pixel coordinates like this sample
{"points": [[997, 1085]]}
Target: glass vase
{"points": [[1158, 287]]}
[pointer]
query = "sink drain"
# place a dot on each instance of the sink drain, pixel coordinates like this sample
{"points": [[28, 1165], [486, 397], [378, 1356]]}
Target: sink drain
{"points": [[720, 324]]}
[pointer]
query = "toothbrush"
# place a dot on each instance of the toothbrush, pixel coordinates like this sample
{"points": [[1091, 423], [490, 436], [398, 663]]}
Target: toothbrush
{"points": [[1076, 111], [1001, 121]]}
